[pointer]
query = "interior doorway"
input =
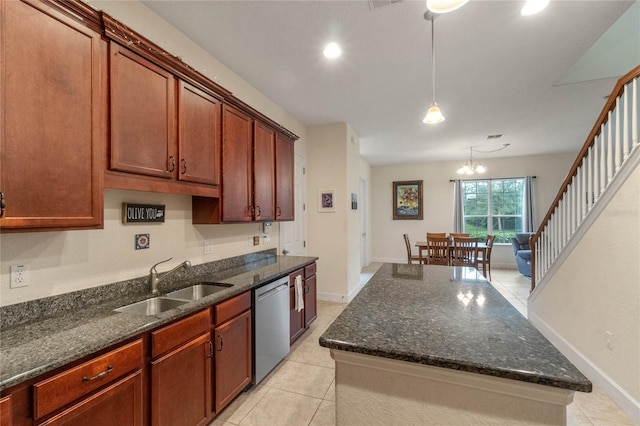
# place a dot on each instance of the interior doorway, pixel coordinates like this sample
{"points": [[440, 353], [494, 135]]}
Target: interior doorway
{"points": [[292, 234], [362, 205]]}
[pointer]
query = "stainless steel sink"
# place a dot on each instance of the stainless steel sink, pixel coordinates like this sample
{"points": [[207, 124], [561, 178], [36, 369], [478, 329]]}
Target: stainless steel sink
{"points": [[198, 291], [151, 306]]}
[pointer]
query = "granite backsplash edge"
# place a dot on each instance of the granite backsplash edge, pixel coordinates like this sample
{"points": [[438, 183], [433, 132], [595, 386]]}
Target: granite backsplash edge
{"points": [[35, 310]]}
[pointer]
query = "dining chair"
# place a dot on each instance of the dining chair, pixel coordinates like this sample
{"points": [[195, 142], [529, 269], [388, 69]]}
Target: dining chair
{"points": [[465, 252], [410, 257], [485, 259], [457, 234], [436, 234], [437, 251]]}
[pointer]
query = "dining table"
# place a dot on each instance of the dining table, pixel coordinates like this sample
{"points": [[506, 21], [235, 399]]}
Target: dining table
{"points": [[482, 249]]}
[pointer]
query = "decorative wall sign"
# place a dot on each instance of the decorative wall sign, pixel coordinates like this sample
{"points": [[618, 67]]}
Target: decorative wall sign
{"points": [[142, 213], [326, 200], [142, 241], [407, 200]]}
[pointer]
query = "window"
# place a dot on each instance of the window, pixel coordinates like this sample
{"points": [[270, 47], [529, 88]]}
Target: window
{"points": [[493, 206]]}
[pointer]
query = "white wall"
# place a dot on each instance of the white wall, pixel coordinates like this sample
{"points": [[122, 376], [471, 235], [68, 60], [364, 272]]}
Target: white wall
{"points": [[365, 174], [60, 262], [388, 244], [597, 289], [327, 233]]}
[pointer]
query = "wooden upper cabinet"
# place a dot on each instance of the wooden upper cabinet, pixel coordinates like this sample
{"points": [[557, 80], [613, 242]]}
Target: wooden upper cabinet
{"points": [[285, 207], [264, 139], [237, 185], [198, 135], [143, 137], [52, 127]]}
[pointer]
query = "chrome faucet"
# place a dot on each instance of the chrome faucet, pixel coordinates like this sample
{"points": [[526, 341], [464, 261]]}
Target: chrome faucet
{"points": [[154, 279]]}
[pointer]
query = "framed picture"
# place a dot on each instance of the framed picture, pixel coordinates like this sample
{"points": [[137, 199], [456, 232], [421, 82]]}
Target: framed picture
{"points": [[326, 200], [407, 200], [354, 201]]}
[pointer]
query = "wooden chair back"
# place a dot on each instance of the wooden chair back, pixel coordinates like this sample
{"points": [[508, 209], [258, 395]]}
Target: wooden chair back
{"points": [[410, 257], [455, 234], [465, 252], [436, 234], [437, 251], [485, 260]]}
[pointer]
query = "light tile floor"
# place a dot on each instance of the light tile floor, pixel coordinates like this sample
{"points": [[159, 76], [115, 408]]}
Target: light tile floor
{"points": [[300, 391]]}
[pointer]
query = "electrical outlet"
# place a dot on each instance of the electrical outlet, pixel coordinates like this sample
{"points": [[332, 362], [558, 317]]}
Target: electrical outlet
{"points": [[608, 338], [19, 276], [208, 247], [256, 240]]}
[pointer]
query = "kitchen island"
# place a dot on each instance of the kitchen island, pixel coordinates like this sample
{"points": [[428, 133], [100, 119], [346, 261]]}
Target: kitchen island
{"points": [[423, 344]]}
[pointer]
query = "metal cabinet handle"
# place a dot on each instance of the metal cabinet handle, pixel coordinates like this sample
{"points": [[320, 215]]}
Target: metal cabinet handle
{"points": [[279, 211], [259, 211], [3, 204], [210, 343], [99, 375], [252, 210], [221, 343], [172, 160], [184, 166]]}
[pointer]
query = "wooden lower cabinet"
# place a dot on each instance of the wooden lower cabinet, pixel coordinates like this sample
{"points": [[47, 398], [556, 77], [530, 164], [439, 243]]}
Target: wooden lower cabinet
{"points": [[233, 370], [181, 385], [118, 404], [6, 418], [301, 320], [310, 301], [296, 317]]}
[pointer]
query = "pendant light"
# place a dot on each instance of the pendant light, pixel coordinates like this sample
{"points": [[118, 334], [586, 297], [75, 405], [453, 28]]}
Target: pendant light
{"points": [[434, 115], [445, 6], [471, 168]]}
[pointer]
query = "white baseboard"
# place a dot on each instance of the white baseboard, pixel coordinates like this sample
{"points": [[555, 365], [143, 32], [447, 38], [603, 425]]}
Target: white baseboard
{"points": [[597, 376], [332, 297]]}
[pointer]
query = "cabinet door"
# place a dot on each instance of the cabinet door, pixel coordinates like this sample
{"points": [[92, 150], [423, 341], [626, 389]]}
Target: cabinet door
{"points": [[6, 418], [264, 139], [232, 359], [297, 318], [142, 115], [237, 205], [181, 385], [118, 404], [52, 127], [285, 207], [310, 300], [198, 135]]}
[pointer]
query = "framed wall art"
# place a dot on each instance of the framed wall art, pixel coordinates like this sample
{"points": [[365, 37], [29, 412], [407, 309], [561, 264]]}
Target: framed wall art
{"points": [[354, 201], [326, 200], [407, 200]]}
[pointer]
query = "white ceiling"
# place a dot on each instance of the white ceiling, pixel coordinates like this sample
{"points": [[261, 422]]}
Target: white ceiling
{"points": [[497, 72]]}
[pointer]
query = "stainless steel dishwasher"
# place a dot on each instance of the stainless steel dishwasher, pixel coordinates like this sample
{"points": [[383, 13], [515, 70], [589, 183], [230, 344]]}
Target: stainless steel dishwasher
{"points": [[271, 326]]}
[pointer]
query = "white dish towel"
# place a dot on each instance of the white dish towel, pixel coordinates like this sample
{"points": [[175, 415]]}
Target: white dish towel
{"points": [[299, 293]]}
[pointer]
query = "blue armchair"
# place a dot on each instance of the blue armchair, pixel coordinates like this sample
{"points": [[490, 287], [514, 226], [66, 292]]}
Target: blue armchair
{"points": [[522, 251]]}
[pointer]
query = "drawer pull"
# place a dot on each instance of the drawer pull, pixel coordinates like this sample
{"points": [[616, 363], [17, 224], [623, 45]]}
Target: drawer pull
{"points": [[99, 375], [172, 159], [184, 166]]}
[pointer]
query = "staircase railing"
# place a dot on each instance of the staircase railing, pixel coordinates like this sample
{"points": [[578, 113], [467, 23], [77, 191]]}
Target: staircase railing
{"points": [[611, 141]]}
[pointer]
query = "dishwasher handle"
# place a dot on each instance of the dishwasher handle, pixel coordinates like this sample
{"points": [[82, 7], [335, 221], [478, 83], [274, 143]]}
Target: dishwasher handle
{"points": [[273, 291]]}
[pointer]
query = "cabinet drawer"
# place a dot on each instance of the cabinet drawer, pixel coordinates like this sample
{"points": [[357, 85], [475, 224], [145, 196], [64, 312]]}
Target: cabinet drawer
{"points": [[59, 390], [233, 307], [179, 332], [309, 270]]}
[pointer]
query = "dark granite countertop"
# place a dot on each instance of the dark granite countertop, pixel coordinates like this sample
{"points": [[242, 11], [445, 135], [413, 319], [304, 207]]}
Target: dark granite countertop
{"points": [[448, 317], [30, 349]]}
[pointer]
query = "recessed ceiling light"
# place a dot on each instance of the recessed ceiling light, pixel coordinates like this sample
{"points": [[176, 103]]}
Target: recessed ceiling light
{"points": [[533, 6], [332, 50]]}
